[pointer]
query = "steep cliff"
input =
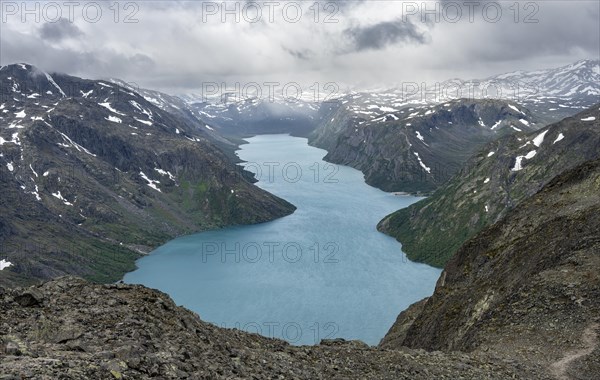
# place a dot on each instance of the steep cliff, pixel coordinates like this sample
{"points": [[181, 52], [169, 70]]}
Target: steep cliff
{"points": [[529, 284]]}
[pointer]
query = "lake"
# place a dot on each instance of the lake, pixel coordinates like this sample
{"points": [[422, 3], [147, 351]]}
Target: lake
{"points": [[323, 272]]}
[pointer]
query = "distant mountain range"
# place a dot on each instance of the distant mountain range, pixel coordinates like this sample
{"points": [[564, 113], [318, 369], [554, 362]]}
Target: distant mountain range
{"points": [[551, 94], [92, 174], [414, 143], [247, 117]]}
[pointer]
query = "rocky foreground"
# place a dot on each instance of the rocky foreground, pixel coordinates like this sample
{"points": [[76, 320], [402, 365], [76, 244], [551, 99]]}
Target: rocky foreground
{"points": [[70, 329]]}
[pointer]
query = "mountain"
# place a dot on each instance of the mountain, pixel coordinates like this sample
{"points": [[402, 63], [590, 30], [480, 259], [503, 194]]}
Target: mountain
{"points": [[527, 285], [92, 175], [386, 157], [239, 116], [551, 94], [414, 148], [70, 329], [175, 105], [495, 180]]}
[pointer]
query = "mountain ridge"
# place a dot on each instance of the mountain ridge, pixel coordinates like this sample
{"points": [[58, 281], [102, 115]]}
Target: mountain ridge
{"points": [[495, 180], [89, 167], [416, 148]]}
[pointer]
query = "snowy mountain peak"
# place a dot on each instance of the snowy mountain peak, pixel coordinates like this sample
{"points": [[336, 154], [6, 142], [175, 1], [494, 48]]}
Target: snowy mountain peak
{"points": [[25, 80]]}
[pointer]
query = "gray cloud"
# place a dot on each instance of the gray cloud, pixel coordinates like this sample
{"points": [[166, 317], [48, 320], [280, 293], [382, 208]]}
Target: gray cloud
{"points": [[304, 54], [173, 50], [60, 30], [380, 35], [107, 63]]}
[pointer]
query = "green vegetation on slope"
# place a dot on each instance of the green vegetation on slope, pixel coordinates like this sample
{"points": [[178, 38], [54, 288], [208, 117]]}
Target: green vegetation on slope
{"points": [[432, 230]]}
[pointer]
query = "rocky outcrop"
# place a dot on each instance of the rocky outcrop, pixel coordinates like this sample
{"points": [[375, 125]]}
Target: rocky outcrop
{"points": [[397, 333], [495, 180], [528, 284], [71, 329]]}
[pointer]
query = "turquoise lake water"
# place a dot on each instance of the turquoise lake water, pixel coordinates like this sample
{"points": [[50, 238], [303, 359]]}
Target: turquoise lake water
{"points": [[324, 272]]}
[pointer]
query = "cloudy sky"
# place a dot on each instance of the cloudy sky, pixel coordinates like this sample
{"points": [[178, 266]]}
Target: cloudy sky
{"points": [[179, 46]]}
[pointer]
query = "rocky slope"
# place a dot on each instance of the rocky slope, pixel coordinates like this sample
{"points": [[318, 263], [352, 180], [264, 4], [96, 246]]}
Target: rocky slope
{"points": [[70, 329], [496, 179], [415, 148], [194, 123], [528, 284], [92, 174]]}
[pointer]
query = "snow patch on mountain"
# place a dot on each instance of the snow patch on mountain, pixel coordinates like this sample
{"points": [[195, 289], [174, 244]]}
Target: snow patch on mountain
{"points": [[52, 82], [36, 193], [149, 123], [425, 167], [75, 145], [560, 137], [4, 264], [519, 160], [151, 183], [110, 108], [516, 109], [114, 119], [539, 139], [58, 195], [164, 172]]}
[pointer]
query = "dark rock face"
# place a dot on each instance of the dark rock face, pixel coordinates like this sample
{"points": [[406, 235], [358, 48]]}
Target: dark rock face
{"points": [[397, 333], [432, 230], [92, 175], [528, 284], [415, 148], [85, 331]]}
